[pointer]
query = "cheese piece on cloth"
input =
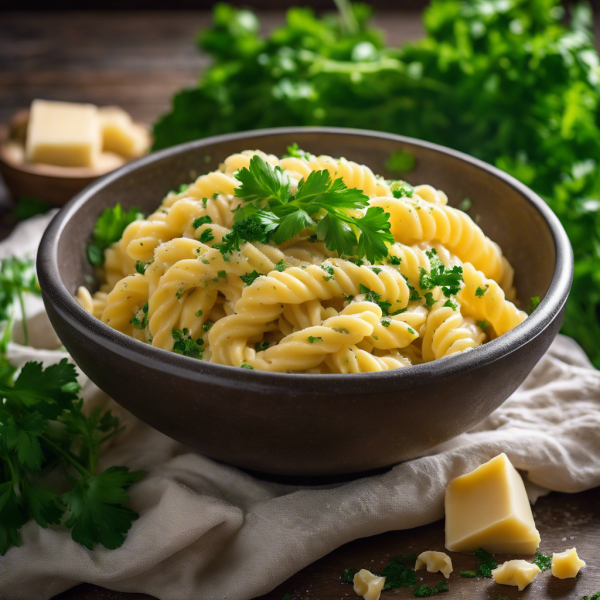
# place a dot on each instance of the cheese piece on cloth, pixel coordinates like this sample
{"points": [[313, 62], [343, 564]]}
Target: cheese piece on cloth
{"points": [[488, 508]]}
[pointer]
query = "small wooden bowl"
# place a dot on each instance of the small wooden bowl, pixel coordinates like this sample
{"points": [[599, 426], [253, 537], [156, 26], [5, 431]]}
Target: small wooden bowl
{"points": [[56, 185]]}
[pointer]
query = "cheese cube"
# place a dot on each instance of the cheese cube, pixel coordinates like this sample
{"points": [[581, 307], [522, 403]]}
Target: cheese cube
{"points": [[119, 134], [488, 508], [434, 562], [63, 134], [518, 573], [367, 585], [566, 565]]}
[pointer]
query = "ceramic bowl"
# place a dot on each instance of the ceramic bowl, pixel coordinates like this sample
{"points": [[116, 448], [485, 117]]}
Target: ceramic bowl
{"points": [[312, 424]]}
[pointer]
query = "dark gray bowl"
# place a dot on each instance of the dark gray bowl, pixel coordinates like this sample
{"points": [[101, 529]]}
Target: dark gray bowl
{"points": [[312, 424]]}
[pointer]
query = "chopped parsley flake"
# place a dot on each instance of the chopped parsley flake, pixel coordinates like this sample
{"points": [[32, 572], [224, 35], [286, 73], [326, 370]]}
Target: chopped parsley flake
{"points": [[385, 322], [543, 561], [206, 236], [280, 266], [207, 326], [411, 331], [198, 313], [246, 366], [483, 324], [341, 330], [312, 339], [401, 189], [480, 291], [201, 221], [448, 280], [186, 346], [429, 301], [394, 260], [487, 563], [261, 346], [376, 270], [426, 591], [140, 320], [468, 574], [222, 274], [141, 267], [414, 294], [249, 278], [371, 296], [450, 304]]}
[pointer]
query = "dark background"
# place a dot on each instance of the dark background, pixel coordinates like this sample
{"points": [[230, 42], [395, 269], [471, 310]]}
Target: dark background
{"points": [[207, 4]]}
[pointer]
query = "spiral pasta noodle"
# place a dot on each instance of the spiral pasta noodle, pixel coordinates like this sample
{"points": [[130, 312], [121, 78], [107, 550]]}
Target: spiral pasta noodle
{"points": [[443, 288]]}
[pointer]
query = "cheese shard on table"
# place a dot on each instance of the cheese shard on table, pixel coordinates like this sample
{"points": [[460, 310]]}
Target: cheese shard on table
{"points": [[434, 562], [519, 573], [488, 508], [566, 565], [63, 134], [119, 134], [367, 585]]}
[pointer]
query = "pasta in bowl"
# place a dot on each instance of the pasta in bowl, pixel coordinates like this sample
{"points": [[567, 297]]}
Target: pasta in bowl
{"points": [[305, 264], [241, 381]]}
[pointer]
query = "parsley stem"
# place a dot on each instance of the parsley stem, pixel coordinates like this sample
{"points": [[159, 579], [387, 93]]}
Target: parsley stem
{"points": [[14, 473], [23, 316], [67, 456], [347, 18], [111, 434]]}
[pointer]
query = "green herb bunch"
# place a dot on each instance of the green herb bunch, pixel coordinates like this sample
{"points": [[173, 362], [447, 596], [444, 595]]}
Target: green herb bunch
{"points": [[508, 82], [42, 427]]}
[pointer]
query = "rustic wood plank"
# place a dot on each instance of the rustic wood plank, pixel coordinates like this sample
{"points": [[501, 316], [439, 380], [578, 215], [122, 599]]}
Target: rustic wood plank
{"points": [[564, 521]]}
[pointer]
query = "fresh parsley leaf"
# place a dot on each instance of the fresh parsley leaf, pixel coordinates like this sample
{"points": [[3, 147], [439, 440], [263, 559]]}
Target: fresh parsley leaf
{"points": [[22, 435], [95, 506], [375, 234], [11, 517], [262, 184], [42, 505], [429, 301], [398, 574], [30, 206], [109, 229], [448, 280]]}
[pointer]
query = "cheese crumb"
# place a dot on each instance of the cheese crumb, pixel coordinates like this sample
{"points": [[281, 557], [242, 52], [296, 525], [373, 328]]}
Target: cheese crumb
{"points": [[519, 573], [567, 564], [367, 585], [488, 508], [435, 561]]}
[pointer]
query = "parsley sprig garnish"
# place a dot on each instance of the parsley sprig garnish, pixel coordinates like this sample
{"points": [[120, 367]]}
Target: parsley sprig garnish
{"points": [[109, 229], [448, 279], [271, 211], [42, 423]]}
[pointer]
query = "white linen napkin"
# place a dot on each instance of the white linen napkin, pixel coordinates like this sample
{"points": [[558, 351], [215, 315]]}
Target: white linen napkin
{"points": [[213, 532]]}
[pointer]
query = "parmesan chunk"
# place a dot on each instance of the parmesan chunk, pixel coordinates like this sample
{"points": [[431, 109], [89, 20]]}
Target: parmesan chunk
{"points": [[519, 573], [567, 564], [488, 508], [119, 134], [435, 561], [367, 585], [63, 134]]}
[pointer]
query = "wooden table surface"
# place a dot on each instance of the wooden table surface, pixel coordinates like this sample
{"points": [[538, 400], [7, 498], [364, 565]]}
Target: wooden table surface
{"points": [[138, 60]]}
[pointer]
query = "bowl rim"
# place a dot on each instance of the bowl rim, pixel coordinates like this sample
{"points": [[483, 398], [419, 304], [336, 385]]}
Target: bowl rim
{"points": [[233, 377]]}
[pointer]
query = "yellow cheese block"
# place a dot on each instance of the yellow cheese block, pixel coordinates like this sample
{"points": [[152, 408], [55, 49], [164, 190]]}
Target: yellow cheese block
{"points": [[120, 135], [518, 573], [566, 565], [63, 134], [488, 508]]}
